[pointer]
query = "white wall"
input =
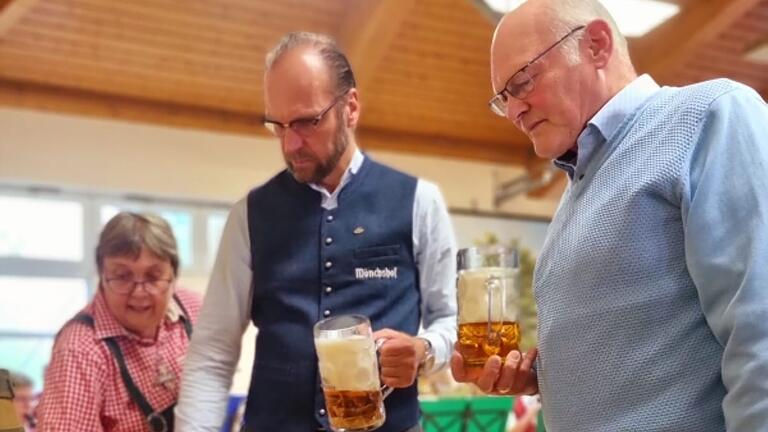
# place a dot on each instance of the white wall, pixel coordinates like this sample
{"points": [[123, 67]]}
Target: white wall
{"points": [[111, 156], [106, 155]]}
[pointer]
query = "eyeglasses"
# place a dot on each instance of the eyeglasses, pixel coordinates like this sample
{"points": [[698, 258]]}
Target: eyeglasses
{"points": [[302, 126], [520, 84], [124, 285]]}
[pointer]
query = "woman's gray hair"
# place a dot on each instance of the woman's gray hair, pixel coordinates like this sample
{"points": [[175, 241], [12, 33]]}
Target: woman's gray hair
{"points": [[570, 14], [326, 46], [127, 233]]}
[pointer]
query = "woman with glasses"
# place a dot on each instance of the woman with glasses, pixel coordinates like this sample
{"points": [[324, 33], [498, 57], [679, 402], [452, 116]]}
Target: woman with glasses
{"points": [[116, 364]]}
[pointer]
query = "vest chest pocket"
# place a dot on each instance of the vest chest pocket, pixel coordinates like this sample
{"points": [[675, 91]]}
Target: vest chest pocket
{"points": [[376, 252], [377, 266]]}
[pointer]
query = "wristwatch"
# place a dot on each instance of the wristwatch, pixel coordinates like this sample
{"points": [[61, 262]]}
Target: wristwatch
{"points": [[426, 364]]}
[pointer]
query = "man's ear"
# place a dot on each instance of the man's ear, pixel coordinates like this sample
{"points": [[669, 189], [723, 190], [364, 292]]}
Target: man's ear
{"points": [[353, 105], [598, 38]]}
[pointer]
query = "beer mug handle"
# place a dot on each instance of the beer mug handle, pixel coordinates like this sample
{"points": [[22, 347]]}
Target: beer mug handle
{"points": [[493, 285], [385, 389]]}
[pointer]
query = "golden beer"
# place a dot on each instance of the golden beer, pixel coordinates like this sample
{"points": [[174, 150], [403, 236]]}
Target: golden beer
{"points": [[354, 410], [487, 297], [349, 372], [479, 340]]}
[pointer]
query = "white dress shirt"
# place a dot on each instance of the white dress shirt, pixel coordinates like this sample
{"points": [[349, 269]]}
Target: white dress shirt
{"points": [[215, 347]]}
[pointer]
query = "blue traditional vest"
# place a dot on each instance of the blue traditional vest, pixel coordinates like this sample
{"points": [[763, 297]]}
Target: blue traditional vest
{"points": [[310, 263]]}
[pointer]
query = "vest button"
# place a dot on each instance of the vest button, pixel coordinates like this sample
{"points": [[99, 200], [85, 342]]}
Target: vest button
{"points": [[328, 290], [321, 411], [326, 313], [329, 218], [328, 240], [328, 265]]}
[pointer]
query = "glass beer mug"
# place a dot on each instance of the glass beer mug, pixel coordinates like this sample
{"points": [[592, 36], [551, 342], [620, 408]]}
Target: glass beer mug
{"points": [[488, 296], [349, 371]]}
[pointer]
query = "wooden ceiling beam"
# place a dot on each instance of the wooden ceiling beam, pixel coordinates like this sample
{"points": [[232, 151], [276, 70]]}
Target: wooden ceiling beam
{"points": [[553, 190], [553, 180], [11, 12], [440, 146], [58, 70], [674, 42], [80, 102], [148, 57], [367, 31]]}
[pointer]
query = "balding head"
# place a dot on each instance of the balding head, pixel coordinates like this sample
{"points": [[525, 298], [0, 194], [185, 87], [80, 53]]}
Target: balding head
{"points": [[325, 48], [311, 105], [547, 20], [570, 59]]}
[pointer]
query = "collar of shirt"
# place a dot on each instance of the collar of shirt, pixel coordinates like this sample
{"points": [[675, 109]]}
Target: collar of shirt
{"points": [[329, 201], [601, 128], [105, 324]]}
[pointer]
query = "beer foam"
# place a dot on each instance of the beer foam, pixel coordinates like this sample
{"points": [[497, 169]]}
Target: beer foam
{"points": [[473, 299], [349, 363]]}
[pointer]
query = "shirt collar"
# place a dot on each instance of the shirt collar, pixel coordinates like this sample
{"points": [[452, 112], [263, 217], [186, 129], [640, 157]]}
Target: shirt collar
{"points": [[352, 169], [604, 124], [626, 101]]}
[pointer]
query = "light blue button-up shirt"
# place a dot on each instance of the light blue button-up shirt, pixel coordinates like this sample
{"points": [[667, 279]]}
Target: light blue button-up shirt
{"points": [[652, 285]]}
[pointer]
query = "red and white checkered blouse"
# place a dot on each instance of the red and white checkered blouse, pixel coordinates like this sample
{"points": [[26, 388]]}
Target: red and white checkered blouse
{"points": [[83, 388]]}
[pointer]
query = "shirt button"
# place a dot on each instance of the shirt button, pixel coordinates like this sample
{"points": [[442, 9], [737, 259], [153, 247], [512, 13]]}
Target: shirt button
{"points": [[321, 411], [328, 240], [326, 313], [328, 265], [328, 289], [329, 218]]}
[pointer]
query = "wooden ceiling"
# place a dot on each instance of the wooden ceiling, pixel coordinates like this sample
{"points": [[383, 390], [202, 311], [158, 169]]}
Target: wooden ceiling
{"points": [[422, 65]]}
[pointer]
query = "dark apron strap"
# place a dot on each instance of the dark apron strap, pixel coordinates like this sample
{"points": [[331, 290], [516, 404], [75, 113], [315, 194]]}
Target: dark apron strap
{"points": [[156, 421], [184, 317]]}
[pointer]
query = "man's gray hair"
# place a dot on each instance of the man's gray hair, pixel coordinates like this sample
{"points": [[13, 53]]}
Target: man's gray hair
{"points": [[570, 14], [326, 46], [127, 233]]}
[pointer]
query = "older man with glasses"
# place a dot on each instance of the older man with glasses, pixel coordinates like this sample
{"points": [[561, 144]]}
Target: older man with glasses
{"points": [[334, 233], [651, 286]]}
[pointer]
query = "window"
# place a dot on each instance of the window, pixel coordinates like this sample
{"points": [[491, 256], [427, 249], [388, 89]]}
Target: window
{"points": [[39, 305], [47, 269], [180, 221], [41, 228]]}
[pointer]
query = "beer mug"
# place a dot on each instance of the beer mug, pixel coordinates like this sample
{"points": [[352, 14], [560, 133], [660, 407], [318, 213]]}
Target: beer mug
{"points": [[349, 371], [488, 296]]}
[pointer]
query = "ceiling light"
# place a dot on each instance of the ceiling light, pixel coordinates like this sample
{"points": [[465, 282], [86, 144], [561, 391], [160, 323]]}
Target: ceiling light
{"points": [[637, 17], [504, 6], [634, 17]]}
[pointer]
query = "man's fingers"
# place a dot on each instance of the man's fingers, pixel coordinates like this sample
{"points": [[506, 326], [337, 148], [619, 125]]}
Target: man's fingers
{"points": [[490, 374], [384, 333], [396, 377], [397, 348], [509, 373], [525, 375], [457, 367]]}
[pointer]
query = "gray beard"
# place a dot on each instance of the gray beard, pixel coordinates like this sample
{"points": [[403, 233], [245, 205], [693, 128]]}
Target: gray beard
{"points": [[325, 168]]}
